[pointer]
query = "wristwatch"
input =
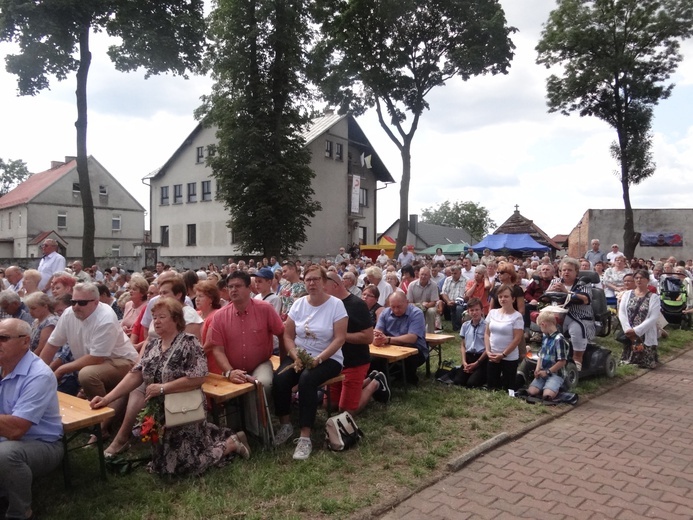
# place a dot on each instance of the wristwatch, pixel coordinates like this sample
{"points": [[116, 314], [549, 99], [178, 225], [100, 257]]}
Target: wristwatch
{"points": [[227, 374]]}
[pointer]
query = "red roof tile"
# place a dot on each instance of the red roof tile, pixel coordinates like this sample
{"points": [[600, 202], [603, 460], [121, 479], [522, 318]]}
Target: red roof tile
{"points": [[35, 184]]}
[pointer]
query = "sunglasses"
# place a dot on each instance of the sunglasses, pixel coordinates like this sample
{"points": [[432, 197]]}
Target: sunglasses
{"points": [[4, 339], [81, 303]]}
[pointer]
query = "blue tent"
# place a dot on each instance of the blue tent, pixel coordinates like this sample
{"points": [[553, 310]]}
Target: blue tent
{"points": [[517, 242]]}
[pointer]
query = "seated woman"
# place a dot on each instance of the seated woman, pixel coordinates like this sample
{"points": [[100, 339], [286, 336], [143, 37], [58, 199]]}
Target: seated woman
{"points": [[638, 313], [138, 297], [318, 325], [613, 279], [370, 294], [553, 356], [174, 362], [62, 284], [472, 373], [30, 284], [208, 302], [41, 309], [579, 322]]}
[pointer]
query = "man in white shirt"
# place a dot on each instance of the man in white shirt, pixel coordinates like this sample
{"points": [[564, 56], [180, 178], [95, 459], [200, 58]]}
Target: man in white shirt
{"points": [[15, 277], [79, 272], [342, 256], [382, 258], [103, 353], [375, 276], [467, 269], [51, 263], [406, 257], [611, 255]]}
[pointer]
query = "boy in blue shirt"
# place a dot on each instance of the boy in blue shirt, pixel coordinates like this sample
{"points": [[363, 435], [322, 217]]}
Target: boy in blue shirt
{"points": [[549, 374]]}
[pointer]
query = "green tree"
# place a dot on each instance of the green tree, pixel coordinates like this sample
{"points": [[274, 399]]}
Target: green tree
{"points": [[261, 162], [466, 215], [12, 173], [389, 54], [616, 56], [53, 38]]}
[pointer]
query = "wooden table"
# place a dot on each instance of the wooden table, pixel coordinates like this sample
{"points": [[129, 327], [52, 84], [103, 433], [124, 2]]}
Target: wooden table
{"points": [[221, 390], [434, 342], [394, 354], [77, 416]]}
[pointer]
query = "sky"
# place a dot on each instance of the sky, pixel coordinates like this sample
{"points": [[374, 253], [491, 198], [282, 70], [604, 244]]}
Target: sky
{"points": [[489, 140]]}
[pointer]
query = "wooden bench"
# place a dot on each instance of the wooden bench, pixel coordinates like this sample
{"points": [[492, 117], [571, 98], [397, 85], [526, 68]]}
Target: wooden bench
{"points": [[394, 354], [77, 417], [435, 342], [275, 365]]}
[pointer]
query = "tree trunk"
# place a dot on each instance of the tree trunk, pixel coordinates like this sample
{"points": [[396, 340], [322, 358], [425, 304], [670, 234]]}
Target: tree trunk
{"points": [[82, 164], [404, 196]]}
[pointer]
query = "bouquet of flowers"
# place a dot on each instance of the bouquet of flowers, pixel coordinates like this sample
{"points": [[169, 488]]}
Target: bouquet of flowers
{"points": [[304, 360], [151, 421]]}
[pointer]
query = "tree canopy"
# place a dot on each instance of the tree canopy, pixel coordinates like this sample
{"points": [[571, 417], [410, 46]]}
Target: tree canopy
{"points": [[616, 58], [261, 164], [12, 173], [389, 54], [468, 215], [53, 39]]}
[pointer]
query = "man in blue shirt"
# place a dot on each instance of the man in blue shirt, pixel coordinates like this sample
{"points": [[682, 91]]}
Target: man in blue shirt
{"points": [[403, 324], [30, 423]]}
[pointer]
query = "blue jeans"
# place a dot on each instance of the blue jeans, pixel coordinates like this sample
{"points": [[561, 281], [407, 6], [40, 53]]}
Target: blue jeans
{"points": [[20, 462]]}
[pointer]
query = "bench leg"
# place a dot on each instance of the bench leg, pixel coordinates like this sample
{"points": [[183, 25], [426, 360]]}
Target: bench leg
{"points": [[99, 446], [66, 465]]}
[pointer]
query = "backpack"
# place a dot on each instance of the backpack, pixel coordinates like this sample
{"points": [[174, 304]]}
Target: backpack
{"points": [[341, 432]]}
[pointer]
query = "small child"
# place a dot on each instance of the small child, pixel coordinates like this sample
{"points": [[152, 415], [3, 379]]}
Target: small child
{"points": [[548, 376]]}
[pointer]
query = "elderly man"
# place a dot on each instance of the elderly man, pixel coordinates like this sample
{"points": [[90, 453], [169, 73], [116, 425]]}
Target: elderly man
{"points": [[406, 257], [79, 272], [611, 255], [102, 352], [15, 277], [452, 296], [403, 324], [349, 281], [382, 258], [240, 337], [51, 263], [12, 305], [423, 293], [375, 276], [342, 256], [356, 391], [594, 255], [30, 421]]}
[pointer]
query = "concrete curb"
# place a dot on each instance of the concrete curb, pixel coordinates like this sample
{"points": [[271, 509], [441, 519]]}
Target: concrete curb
{"points": [[471, 455]]}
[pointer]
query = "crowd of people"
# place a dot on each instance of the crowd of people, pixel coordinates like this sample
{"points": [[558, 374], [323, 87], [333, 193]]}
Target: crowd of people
{"points": [[126, 340]]}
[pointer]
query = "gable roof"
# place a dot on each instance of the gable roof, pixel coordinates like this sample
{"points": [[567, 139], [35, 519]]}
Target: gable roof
{"points": [[36, 184], [44, 235], [518, 224], [432, 234]]}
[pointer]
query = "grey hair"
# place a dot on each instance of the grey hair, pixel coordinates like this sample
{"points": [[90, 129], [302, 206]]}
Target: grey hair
{"points": [[87, 287], [9, 296]]}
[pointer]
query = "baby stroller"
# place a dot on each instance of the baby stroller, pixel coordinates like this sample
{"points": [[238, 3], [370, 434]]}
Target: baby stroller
{"points": [[673, 296]]}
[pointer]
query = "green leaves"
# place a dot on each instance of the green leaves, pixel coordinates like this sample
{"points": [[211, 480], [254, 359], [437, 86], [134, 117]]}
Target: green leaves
{"points": [[12, 173], [468, 215]]}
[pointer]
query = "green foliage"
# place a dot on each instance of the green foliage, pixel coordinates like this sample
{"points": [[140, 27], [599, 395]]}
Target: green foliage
{"points": [[468, 215], [261, 162], [390, 54], [12, 173], [616, 56]]}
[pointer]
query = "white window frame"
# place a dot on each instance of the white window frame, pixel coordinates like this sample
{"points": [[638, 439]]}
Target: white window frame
{"points": [[116, 219]]}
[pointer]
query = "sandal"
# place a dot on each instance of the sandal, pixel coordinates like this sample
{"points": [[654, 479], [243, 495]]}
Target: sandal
{"points": [[242, 446], [110, 454]]}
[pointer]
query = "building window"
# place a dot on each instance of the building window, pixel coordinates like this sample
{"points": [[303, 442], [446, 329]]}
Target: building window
{"points": [[115, 223], [363, 197], [20, 220], [115, 250], [232, 236], [9, 221], [62, 219], [75, 187], [211, 150], [363, 235], [338, 152], [164, 195], [103, 190], [164, 236], [192, 192], [206, 191], [328, 149], [178, 194], [192, 234], [200, 154]]}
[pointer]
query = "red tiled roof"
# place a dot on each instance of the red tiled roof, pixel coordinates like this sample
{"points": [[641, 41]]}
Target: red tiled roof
{"points": [[45, 234], [35, 184]]}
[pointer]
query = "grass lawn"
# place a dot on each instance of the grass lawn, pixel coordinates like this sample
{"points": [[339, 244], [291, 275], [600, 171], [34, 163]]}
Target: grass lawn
{"points": [[406, 442]]}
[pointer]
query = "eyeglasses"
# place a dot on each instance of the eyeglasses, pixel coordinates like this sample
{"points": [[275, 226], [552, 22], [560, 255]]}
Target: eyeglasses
{"points": [[312, 280], [81, 303], [5, 339]]}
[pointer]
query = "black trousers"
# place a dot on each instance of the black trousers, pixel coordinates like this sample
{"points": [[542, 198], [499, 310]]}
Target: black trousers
{"points": [[502, 375], [472, 379]]}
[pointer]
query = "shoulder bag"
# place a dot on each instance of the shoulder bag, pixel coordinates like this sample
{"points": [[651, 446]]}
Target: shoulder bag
{"points": [[182, 408], [341, 432]]}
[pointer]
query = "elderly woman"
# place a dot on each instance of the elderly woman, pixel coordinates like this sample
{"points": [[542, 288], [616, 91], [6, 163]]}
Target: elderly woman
{"points": [[638, 313], [370, 295], [579, 322], [32, 278], [613, 279], [174, 362], [138, 297], [41, 309], [317, 324], [62, 284]]}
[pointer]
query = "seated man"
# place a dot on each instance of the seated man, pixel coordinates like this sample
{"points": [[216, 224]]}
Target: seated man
{"points": [[403, 324], [536, 289], [12, 305], [549, 373], [453, 289], [30, 422], [423, 293], [472, 373]]}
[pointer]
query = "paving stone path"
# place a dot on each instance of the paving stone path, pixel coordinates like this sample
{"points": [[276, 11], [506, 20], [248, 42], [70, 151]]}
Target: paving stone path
{"points": [[624, 455]]}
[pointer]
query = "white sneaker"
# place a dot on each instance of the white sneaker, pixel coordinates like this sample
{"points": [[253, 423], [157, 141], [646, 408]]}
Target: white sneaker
{"points": [[284, 434], [303, 448]]}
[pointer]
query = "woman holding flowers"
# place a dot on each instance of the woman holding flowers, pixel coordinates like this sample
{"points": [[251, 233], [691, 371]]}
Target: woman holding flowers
{"points": [[174, 362], [314, 333]]}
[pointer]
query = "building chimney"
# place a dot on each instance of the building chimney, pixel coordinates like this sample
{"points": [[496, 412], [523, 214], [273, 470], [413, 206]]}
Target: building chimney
{"points": [[56, 164], [414, 223], [69, 158], [328, 111]]}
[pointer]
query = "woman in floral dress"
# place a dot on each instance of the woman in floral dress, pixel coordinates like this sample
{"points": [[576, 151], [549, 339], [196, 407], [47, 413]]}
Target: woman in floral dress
{"points": [[638, 314]]}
